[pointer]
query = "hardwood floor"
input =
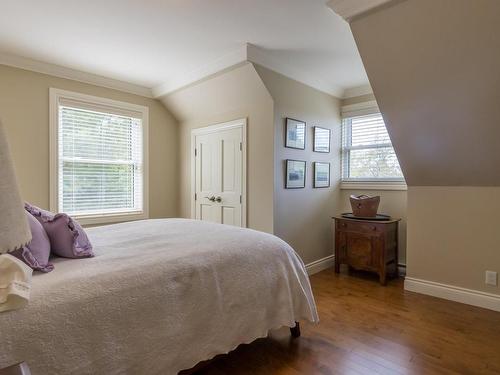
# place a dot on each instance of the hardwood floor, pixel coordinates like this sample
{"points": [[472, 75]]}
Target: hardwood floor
{"points": [[369, 329]]}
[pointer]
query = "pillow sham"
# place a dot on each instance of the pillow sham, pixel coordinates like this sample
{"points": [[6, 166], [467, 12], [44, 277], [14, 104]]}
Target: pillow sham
{"points": [[36, 253], [67, 237]]}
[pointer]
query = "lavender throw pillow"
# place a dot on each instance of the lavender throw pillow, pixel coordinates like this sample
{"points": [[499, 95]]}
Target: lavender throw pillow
{"points": [[36, 253], [67, 237]]}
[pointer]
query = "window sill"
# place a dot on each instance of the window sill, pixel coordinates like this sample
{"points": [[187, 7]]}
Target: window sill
{"points": [[110, 219], [350, 185]]}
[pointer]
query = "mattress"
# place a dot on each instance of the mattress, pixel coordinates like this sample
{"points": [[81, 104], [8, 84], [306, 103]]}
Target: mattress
{"points": [[158, 297]]}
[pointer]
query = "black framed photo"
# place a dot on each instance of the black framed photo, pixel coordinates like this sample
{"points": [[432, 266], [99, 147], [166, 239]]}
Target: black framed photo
{"points": [[295, 134], [321, 175], [321, 140], [295, 174]]}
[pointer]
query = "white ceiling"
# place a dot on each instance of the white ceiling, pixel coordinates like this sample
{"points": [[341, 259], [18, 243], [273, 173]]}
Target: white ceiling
{"points": [[165, 44]]}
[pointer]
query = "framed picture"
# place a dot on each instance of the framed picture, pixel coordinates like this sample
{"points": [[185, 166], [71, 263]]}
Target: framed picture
{"points": [[321, 175], [295, 174], [321, 140], [295, 136]]}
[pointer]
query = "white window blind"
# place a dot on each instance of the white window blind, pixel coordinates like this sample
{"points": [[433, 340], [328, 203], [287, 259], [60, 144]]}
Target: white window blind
{"points": [[100, 160], [367, 152]]}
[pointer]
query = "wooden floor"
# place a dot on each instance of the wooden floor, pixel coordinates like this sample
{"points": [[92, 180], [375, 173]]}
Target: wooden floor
{"points": [[368, 329]]}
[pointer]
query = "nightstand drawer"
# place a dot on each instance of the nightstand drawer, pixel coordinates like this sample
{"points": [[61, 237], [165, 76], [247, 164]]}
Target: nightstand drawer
{"points": [[353, 226]]}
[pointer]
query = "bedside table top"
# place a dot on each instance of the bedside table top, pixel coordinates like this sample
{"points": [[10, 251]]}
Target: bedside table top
{"points": [[367, 221]]}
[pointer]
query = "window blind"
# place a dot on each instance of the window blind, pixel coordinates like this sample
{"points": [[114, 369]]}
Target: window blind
{"points": [[367, 152], [100, 160], [360, 109]]}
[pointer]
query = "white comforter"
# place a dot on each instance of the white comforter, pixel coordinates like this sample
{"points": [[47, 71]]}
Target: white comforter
{"points": [[160, 296]]}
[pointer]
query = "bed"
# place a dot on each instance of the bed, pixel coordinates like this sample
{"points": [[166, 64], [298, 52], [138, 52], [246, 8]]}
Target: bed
{"points": [[158, 297]]}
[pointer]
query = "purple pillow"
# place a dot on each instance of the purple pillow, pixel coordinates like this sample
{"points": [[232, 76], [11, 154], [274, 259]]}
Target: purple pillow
{"points": [[67, 237], [36, 253]]}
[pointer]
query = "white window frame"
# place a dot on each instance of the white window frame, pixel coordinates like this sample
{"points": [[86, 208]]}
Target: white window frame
{"points": [[56, 95], [364, 109]]}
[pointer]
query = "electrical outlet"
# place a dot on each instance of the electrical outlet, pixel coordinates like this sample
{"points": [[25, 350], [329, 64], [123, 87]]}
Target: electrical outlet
{"points": [[491, 278]]}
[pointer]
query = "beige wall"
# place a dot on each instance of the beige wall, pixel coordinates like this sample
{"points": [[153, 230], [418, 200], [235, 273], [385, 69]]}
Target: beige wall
{"points": [[302, 217], [24, 110], [233, 94], [433, 66], [453, 235]]}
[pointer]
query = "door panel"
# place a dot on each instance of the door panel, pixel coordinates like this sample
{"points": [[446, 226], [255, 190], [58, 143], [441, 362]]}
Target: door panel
{"points": [[207, 213], [229, 160], [218, 176], [206, 181], [206, 163], [228, 216]]}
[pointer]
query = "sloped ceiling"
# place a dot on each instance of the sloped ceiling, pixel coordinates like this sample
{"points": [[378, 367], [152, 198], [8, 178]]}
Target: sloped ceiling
{"points": [[434, 66], [156, 47]]}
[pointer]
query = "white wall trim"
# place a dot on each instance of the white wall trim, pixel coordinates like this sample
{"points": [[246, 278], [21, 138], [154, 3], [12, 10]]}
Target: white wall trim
{"points": [[359, 109], [373, 186], [357, 91], [453, 293], [73, 74], [55, 96], [235, 124], [348, 9], [320, 265]]}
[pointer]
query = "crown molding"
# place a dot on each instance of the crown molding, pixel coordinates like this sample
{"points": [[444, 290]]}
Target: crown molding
{"points": [[357, 91], [246, 53], [349, 9], [72, 74], [182, 80]]}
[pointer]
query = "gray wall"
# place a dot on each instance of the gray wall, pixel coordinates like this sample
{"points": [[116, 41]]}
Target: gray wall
{"points": [[302, 217]]}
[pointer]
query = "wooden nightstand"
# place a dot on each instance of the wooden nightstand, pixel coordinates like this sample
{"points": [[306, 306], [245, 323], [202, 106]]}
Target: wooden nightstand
{"points": [[367, 245]]}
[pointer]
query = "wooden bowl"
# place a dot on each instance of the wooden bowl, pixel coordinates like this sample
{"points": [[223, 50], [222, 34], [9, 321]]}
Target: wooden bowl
{"points": [[364, 205]]}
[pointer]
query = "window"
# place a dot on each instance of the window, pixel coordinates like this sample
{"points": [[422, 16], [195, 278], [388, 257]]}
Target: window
{"points": [[99, 166], [367, 152]]}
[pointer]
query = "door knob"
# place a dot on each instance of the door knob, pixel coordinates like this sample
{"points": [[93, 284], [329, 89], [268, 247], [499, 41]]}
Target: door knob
{"points": [[212, 198], [218, 199]]}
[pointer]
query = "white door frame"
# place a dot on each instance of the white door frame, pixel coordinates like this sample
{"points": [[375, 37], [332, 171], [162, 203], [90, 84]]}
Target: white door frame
{"points": [[242, 124]]}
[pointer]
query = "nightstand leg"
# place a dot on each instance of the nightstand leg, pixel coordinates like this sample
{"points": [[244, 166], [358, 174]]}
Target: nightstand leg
{"points": [[382, 278], [397, 251]]}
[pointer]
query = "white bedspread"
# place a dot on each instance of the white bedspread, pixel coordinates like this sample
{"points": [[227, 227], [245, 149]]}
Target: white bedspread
{"points": [[160, 296]]}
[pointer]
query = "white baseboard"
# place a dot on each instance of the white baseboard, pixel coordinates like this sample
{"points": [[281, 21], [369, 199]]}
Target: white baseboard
{"points": [[320, 265], [453, 293]]}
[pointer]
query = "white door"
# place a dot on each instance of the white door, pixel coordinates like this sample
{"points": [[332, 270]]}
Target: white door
{"points": [[219, 173]]}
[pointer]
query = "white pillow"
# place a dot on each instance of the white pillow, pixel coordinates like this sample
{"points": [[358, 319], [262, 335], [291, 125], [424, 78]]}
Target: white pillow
{"points": [[15, 283]]}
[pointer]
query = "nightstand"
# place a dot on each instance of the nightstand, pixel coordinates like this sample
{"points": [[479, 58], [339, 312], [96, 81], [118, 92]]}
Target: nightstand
{"points": [[367, 245]]}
